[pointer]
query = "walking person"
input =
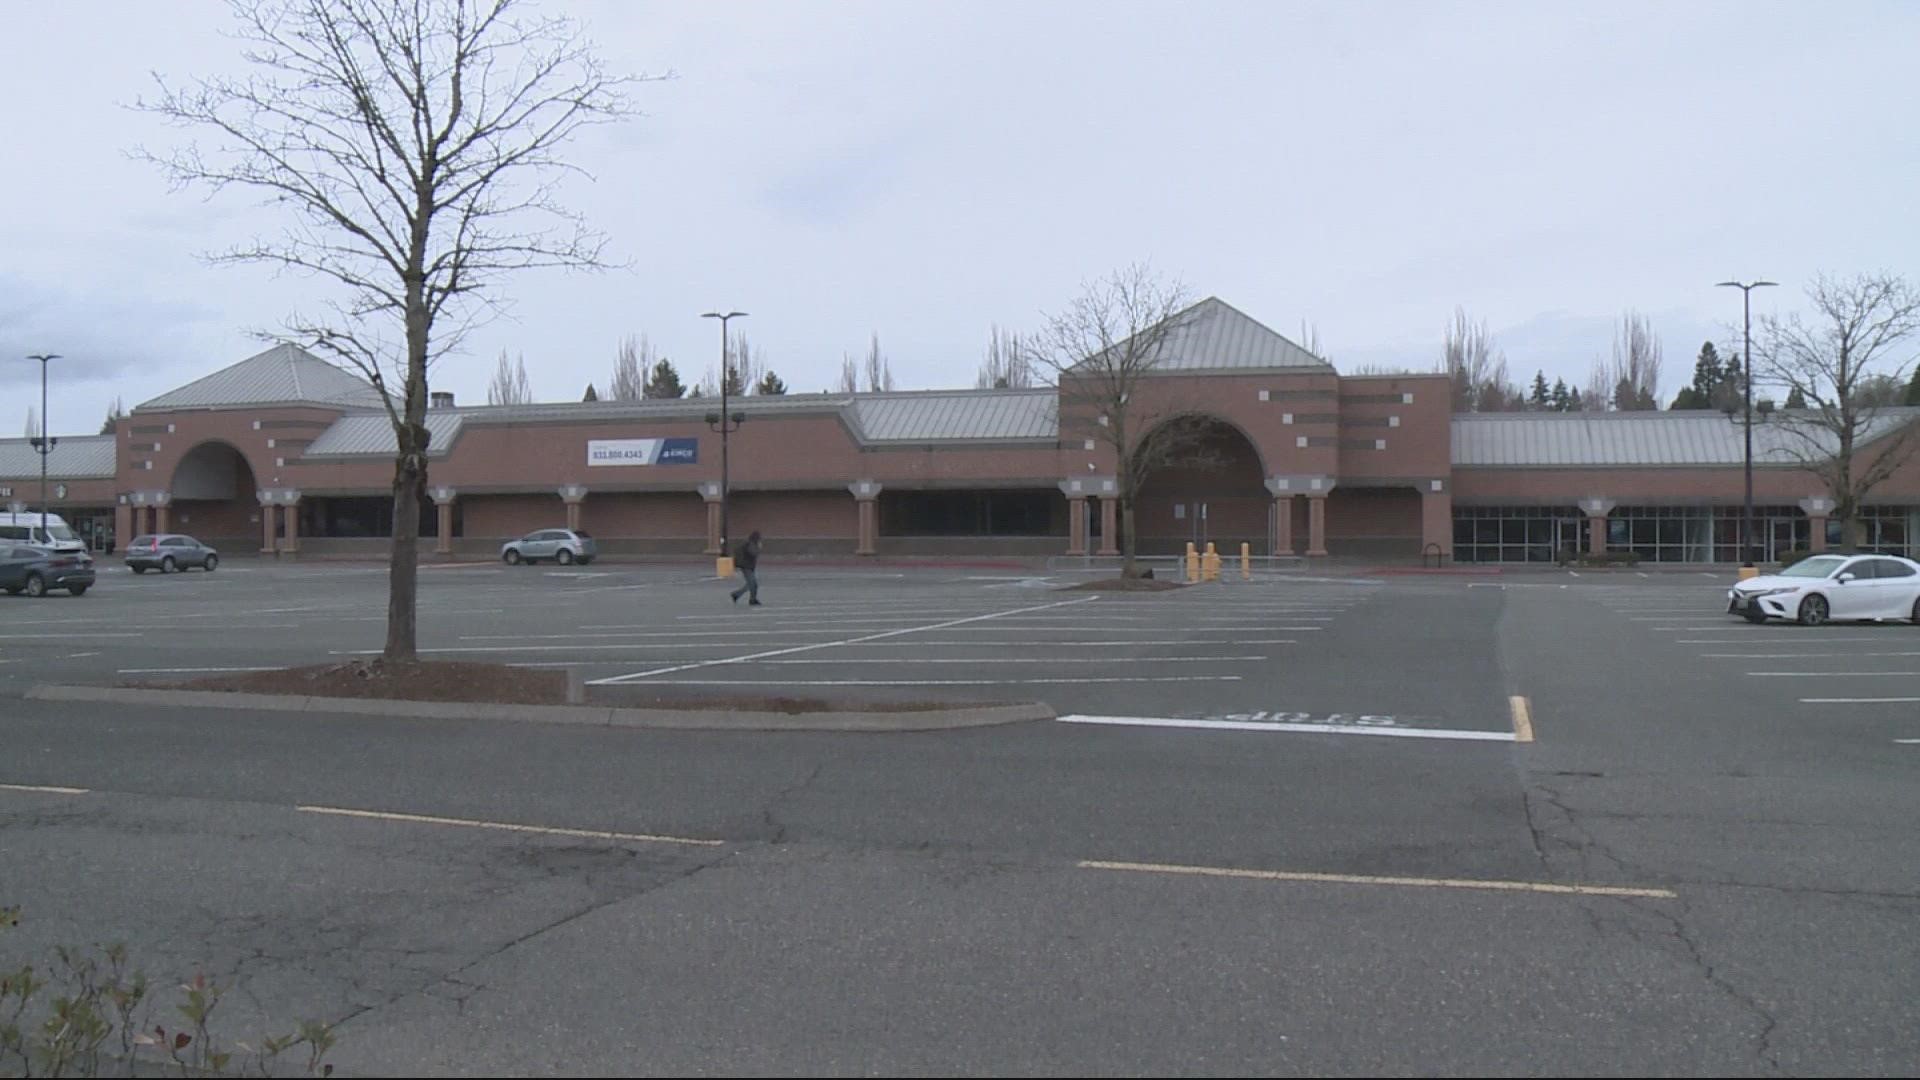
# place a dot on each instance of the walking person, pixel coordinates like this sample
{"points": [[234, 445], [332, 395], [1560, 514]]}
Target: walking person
{"points": [[747, 558]]}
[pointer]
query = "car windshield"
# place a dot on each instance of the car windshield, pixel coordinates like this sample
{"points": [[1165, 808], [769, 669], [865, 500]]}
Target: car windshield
{"points": [[61, 532], [1817, 567]]}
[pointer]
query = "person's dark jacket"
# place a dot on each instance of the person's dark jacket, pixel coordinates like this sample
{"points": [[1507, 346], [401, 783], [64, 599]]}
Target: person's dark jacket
{"points": [[747, 555]]}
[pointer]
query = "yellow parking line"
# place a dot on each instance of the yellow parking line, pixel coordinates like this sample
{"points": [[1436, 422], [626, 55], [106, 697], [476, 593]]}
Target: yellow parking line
{"points": [[1369, 879], [1522, 719], [504, 826]]}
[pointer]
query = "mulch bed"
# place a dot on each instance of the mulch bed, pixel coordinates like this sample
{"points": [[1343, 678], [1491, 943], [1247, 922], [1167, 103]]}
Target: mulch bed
{"points": [[425, 680], [453, 680], [1119, 584]]}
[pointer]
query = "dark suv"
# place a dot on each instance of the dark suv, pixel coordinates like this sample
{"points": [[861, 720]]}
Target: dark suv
{"points": [[169, 552], [34, 570]]}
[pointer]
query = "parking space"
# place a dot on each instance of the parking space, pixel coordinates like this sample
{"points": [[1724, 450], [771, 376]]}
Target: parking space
{"points": [[1277, 654], [1865, 674]]}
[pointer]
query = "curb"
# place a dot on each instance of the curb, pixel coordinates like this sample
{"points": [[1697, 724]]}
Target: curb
{"points": [[590, 715]]}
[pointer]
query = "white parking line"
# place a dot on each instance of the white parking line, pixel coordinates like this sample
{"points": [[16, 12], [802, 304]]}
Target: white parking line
{"points": [[948, 624], [188, 670], [1858, 700], [1797, 656], [1290, 728], [1833, 674], [925, 682], [1023, 660], [1824, 639]]}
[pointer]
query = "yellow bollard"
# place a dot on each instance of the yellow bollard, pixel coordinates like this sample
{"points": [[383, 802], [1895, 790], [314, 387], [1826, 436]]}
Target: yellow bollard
{"points": [[723, 567], [1193, 562], [1749, 571], [1210, 564], [1246, 562]]}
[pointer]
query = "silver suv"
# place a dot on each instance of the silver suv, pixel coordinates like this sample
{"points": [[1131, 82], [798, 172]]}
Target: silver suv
{"points": [[564, 546]]}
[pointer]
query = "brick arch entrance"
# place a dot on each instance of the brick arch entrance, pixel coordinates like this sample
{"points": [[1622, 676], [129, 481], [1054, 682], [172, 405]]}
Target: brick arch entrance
{"points": [[1210, 487], [213, 497]]}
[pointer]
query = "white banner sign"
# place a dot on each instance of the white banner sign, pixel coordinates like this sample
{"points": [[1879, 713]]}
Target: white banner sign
{"points": [[642, 451]]}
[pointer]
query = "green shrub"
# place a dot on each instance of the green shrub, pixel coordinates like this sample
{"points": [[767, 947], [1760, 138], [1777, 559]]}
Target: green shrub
{"points": [[1793, 556], [1610, 558], [90, 1012]]}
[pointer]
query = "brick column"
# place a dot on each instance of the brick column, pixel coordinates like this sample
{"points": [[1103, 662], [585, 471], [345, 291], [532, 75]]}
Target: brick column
{"points": [[1818, 510], [1596, 510], [573, 495], [122, 525], [1077, 525], [710, 491], [1282, 525], [867, 517], [1109, 525], [267, 512], [1317, 523], [290, 513], [160, 518], [443, 507], [1436, 518]]}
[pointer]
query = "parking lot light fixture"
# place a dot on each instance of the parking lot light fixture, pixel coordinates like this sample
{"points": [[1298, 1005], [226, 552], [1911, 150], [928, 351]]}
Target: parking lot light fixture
{"points": [[723, 423], [44, 443], [1746, 378]]}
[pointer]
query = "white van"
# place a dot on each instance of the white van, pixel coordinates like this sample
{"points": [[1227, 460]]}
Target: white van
{"points": [[25, 529]]}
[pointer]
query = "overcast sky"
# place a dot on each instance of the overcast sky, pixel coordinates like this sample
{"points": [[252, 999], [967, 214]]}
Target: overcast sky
{"points": [[924, 170]]}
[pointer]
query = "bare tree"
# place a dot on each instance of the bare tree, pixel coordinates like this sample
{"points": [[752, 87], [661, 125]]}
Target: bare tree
{"points": [[849, 375], [1476, 368], [1633, 378], [748, 364], [417, 144], [509, 385], [33, 423], [630, 365], [1006, 365], [115, 413], [879, 369], [1101, 351], [1856, 343], [1310, 340]]}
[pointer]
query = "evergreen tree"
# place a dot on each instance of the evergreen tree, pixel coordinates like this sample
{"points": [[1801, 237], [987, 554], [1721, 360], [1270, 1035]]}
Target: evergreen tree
{"points": [[115, 412], [770, 384], [1558, 399], [734, 386], [1540, 397], [1796, 399], [591, 394], [664, 382], [1574, 402], [1913, 388]]}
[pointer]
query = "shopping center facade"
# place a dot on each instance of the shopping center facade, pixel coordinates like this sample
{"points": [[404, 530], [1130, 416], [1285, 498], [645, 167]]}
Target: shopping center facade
{"points": [[286, 454]]}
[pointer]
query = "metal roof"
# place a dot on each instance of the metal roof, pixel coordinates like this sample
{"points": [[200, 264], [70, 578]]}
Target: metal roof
{"points": [[74, 457], [1213, 335], [935, 416], [359, 434], [283, 375], [1602, 439], [649, 408]]}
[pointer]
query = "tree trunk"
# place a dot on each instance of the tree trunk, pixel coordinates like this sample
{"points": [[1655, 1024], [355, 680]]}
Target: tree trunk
{"points": [[1128, 546], [403, 570]]}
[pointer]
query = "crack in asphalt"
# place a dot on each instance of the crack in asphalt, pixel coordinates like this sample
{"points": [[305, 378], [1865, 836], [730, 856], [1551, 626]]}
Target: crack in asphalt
{"points": [[1697, 955], [777, 830]]}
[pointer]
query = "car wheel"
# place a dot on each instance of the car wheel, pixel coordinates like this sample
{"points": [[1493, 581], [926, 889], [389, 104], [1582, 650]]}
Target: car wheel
{"points": [[1813, 611], [78, 590], [512, 557], [1916, 613], [212, 562], [565, 558], [166, 565], [36, 585], [139, 569]]}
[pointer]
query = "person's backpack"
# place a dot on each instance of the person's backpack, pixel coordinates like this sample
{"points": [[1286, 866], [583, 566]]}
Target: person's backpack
{"points": [[740, 556]]}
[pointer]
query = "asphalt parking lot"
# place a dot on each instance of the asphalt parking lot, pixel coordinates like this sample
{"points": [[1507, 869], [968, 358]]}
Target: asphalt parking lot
{"points": [[1292, 825]]}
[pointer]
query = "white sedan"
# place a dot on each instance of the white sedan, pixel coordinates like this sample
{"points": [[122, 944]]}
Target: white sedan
{"points": [[1821, 588]]}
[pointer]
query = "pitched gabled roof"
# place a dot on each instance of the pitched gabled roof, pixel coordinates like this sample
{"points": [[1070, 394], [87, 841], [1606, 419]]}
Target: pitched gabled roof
{"points": [[941, 415], [74, 457], [1213, 335], [372, 433], [283, 375], [1612, 439]]}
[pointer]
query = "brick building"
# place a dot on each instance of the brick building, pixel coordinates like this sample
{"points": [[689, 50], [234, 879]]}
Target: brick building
{"points": [[283, 452]]}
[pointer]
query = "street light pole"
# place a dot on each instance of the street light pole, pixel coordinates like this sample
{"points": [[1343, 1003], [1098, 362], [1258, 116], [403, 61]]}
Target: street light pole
{"points": [[726, 423], [1746, 377], [43, 442]]}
